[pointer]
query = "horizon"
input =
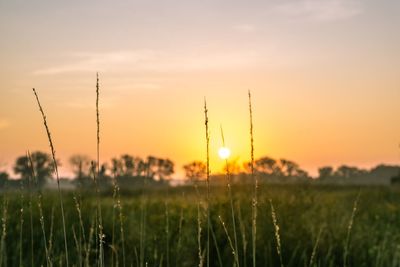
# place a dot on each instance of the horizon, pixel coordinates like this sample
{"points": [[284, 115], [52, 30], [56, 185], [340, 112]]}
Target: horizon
{"points": [[323, 76]]}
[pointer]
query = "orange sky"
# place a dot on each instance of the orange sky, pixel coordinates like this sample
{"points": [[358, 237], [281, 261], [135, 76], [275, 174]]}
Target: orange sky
{"points": [[324, 77]]}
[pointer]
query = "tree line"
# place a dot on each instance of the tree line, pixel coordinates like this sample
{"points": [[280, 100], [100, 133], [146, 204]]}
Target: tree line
{"points": [[132, 171], [126, 167]]}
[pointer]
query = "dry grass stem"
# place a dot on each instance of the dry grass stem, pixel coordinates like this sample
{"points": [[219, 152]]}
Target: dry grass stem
{"points": [[53, 154]]}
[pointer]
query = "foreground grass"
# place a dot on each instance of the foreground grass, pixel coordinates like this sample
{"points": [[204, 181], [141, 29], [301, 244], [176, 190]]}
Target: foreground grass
{"points": [[312, 220]]}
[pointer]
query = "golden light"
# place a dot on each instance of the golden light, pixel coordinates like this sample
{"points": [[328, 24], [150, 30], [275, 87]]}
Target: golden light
{"points": [[224, 152]]}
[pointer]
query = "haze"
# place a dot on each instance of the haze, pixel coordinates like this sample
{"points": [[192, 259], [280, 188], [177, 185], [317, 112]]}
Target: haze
{"points": [[324, 75]]}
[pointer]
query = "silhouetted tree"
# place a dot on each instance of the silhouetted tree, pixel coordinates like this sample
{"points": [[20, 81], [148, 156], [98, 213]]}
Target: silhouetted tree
{"points": [[289, 168], [233, 167], [127, 165], [325, 172], [267, 165], [165, 168], [345, 171], [195, 170], [151, 167], [42, 164], [80, 165]]}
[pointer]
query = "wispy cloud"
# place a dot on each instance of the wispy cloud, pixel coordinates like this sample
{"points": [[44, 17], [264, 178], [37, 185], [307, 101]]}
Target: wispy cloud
{"points": [[4, 124], [150, 60], [90, 62], [320, 10]]}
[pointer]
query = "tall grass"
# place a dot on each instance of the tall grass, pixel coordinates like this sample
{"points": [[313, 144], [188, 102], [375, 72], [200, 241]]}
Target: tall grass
{"points": [[229, 184], [84, 255], [41, 217], [100, 216], [255, 181], [207, 179], [349, 228], [233, 249], [277, 234], [243, 232], [53, 154], [314, 251], [200, 250], [21, 224], [3, 249], [81, 227]]}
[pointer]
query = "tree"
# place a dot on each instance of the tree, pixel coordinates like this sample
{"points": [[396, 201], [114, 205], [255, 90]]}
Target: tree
{"points": [[127, 165], [289, 168], [233, 167], [267, 165], [165, 168], [348, 172], [80, 165], [43, 167], [325, 172], [151, 167], [195, 170]]}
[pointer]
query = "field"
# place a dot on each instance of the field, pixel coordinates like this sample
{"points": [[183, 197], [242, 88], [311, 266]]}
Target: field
{"points": [[162, 227]]}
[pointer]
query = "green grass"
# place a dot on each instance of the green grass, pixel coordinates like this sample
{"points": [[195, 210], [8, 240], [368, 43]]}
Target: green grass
{"points": [[304, 214]]}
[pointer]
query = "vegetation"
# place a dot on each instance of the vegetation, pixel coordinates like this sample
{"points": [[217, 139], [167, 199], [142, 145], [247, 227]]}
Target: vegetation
{"points": [[303, 214], [126, 214]]}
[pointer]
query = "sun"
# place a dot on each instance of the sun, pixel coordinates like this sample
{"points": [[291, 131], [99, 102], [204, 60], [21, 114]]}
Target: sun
{"points": [[224, 152]]}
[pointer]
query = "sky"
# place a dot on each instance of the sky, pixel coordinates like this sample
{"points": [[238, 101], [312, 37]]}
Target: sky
{"points": [[324, 77]]}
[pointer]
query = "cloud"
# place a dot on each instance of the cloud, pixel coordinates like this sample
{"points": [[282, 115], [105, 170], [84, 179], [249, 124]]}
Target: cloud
{"points": [[4, 124], [320, 10], [91, 62], [151, 60], [246, 28]]}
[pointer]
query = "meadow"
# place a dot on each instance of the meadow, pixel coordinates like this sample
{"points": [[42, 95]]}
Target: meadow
{"points": [[250, 224], [315, 226]]}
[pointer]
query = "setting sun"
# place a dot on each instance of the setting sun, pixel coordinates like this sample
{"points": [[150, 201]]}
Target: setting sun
{"points": [[224, 152]]}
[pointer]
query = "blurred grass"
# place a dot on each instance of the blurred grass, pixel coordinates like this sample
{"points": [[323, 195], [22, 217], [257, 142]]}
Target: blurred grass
{"points": [[301, 211]]}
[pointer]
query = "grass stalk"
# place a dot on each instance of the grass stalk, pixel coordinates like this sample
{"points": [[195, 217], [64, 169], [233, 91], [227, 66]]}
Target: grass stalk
{"points": [[179, 242], [31, 217], [82, 228], [255, 181], [89, 243], [121, 224], [3, 250], [77, 246], [100, 218], [114, 206], [349, 228], [207, 178], [53, 153], [277, 235], [216, 246], [41, 217], [243, 232], [167, 231], [50, 245], [143, 231], [234, 253], [314, 251], [229, 180], [21, 224], [200, 253]]}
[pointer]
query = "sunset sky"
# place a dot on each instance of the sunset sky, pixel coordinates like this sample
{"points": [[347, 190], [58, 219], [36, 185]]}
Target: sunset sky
{"points": [[324, 75]]}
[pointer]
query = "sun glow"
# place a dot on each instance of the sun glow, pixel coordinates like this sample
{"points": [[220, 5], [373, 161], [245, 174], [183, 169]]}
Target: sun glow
{"points": [[224, 152]]}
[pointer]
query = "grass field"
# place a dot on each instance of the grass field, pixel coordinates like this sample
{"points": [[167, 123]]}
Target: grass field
{"points": [[162, 227]]}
